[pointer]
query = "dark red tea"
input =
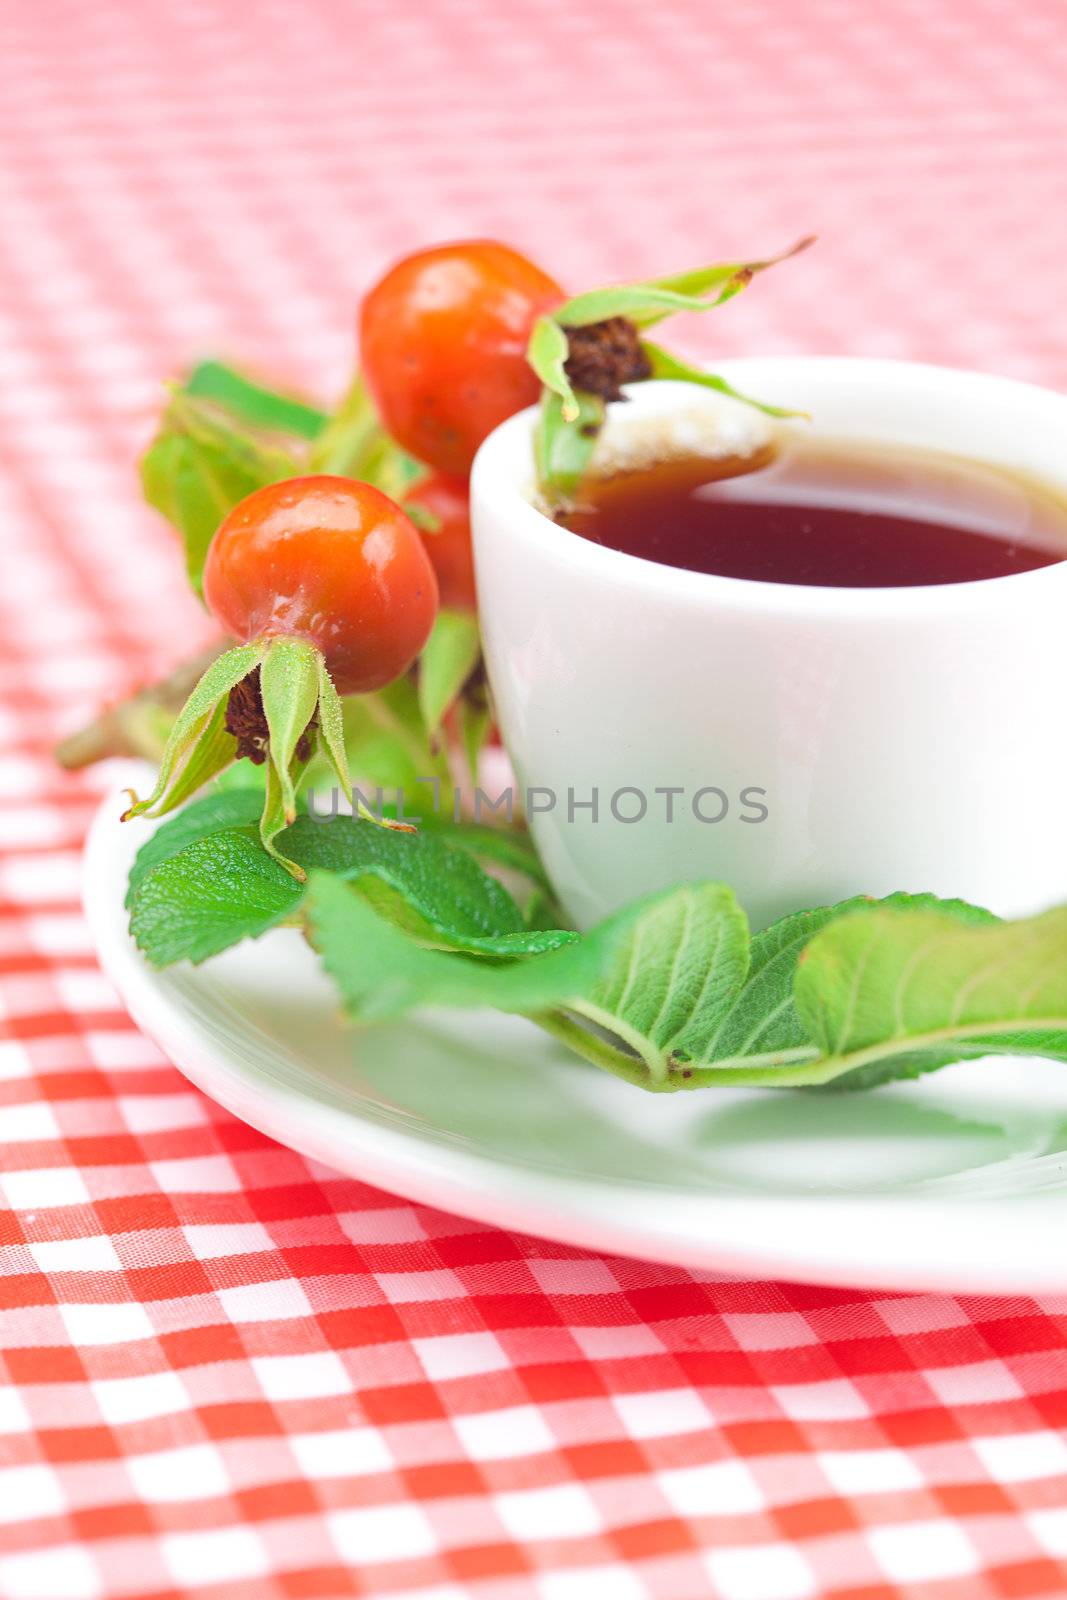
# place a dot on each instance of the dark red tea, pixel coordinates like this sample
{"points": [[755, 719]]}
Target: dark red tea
{"points": [[838, 514]]}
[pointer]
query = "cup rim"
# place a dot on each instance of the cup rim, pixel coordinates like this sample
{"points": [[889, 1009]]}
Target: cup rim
{"points": [[502, 478]]}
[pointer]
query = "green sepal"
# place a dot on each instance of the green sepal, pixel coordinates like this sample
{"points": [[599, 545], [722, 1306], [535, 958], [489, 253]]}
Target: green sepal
{"points": [[641, 303], [448, 658], [569, 421], [730, 277], [547, 354], [273, 821], [665, 365], [562, 449], [332, 730], [649, 302], [195, 733], [212, 753], [333, 744], [289, 680]]}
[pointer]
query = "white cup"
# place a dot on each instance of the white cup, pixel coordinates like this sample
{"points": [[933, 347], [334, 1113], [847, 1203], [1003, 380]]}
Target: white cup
{"points": [[905, 738]]}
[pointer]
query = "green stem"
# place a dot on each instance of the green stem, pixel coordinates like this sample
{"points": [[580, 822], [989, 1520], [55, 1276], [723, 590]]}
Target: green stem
{"points": [[639, 1043], [138, 726], [590, 1045], [780, 1069]]}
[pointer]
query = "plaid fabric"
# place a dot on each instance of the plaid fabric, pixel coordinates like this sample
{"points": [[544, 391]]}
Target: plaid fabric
{"points": [[225, 1372]]}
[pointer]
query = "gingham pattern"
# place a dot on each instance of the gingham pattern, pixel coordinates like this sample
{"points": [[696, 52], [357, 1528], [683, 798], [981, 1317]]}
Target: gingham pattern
{"points": [[225, 1372]]}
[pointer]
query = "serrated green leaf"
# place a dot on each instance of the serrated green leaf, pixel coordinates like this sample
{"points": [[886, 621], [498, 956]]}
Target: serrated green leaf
{"points": [[254, 403], [448, 658], [562, 449], [759, 1032], [382, 973], [547, 354], [506, 847], [650, 976], [888, 982], [198, 468], [685, 957], [210, 895], [195, 893], [670, 994], [215, 812], [665, 365]]}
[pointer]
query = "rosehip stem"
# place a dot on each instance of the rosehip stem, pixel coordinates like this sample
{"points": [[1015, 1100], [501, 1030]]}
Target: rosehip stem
{"points": [[138, 725]]}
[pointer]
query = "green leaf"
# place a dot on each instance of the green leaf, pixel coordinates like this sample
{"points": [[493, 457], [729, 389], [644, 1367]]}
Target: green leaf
{"points": [[547, 354], [670, 994], [651, 976], [759, 1032], [449, 657], [562, 449], [684, 957], [198, 468], [209, 895], [252, 402], [506, 847], [665, 365], [889, 983], [196, 727], [215, 812], [381, 973], [207, 883], [355, 445]]}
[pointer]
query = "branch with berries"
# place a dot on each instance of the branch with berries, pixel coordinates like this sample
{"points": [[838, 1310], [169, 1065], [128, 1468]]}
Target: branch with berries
{"points": [[333, 549]]}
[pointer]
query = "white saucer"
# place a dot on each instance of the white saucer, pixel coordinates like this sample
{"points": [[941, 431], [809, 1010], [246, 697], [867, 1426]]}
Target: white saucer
{"points": [[957, 1182]]}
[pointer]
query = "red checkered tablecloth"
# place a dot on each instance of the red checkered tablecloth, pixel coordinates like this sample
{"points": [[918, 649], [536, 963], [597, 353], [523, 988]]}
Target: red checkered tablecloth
{"points": [[225, 1372]]}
